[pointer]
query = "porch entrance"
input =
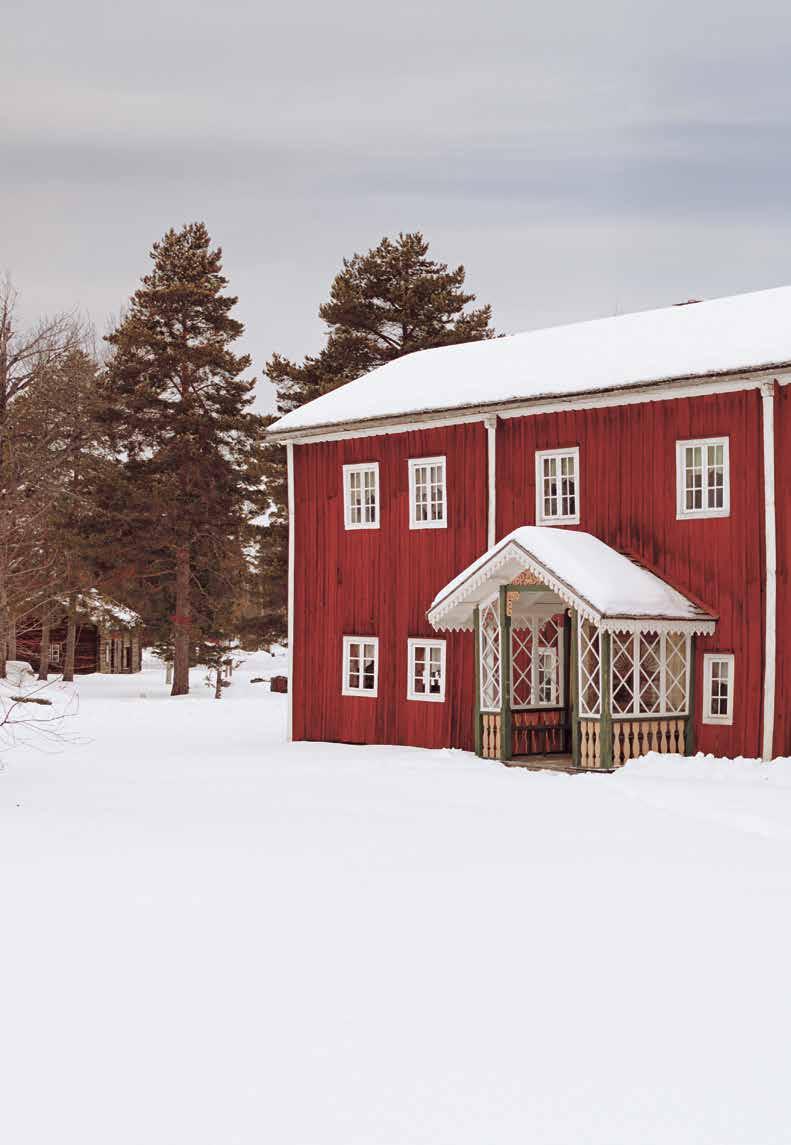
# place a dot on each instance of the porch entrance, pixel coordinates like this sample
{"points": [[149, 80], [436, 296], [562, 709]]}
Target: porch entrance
{"points": [[583, 658], [536, 674]]}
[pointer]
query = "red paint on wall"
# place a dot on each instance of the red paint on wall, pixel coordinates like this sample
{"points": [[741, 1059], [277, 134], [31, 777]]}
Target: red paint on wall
{"points": [[380, 582], [628, 499], [782, 744]]}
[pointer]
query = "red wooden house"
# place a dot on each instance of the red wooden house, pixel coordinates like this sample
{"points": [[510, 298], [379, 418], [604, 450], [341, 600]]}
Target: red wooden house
{"points": [[572, 543]]}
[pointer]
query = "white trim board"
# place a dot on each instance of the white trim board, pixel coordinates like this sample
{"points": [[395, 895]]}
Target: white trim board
{"points": [[290, 606], [770, 531]]}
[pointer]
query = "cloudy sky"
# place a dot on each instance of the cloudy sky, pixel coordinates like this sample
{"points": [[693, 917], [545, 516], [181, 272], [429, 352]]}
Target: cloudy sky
{"points": [[580, 158]]}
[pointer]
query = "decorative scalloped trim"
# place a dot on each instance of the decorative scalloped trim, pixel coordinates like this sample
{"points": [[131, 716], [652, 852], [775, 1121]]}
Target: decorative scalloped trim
{"points": [[696, 626]]}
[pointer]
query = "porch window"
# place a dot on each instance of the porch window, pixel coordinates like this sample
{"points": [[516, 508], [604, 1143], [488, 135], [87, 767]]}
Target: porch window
{"points": [[589, 653], [718, 688], [490, 656], [557, 487], [427, 493], [536, 663], [649, 673], [360, 666], [361, 495], [703, 478], [426, 680]]}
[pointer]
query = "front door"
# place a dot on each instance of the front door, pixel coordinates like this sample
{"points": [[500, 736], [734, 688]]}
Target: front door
{"points": [[540, 686]]}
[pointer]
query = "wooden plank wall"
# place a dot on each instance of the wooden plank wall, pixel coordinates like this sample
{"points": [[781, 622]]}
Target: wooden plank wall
{"points": [[628, 499]]}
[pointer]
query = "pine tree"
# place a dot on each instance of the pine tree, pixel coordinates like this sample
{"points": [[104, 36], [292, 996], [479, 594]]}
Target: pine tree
{"points": [[382, 305], [177, 409]]}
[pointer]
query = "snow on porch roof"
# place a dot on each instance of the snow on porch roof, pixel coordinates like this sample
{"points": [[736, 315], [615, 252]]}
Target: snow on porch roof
{"points": [[747, 331], [602, 584]]}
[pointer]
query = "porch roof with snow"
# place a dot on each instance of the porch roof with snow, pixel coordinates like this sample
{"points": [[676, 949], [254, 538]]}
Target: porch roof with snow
{"points": [[744, 333], [583, 573]]}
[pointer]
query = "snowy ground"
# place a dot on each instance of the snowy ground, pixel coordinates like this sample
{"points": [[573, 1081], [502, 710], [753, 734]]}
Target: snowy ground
{"points": [[209, 937]]}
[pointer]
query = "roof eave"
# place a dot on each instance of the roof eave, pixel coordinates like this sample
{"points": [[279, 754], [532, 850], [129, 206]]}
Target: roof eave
{"points": [[473, 411]]}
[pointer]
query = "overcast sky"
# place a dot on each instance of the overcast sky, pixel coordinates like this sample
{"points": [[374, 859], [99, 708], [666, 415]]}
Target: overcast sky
{"points": [[580, 158]]}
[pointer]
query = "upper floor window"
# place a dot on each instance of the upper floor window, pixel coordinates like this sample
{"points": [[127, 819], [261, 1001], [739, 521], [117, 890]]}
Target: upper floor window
{"points": [[703, 478], [557, 487], [360, 666], [426, 680], [428, 502], [361, 495], [718, 688]]}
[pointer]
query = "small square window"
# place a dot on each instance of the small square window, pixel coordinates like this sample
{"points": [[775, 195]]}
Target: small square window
{"points": [[428, 504], [54, 653], [703, 487], [426, 679], [360, 666], [718, 688], [361, 495], [557, 487]]}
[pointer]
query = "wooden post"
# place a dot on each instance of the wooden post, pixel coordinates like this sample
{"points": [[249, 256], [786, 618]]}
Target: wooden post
{"points": [[605, 721], [574, 682], [689, 730], [505, 676], [478, 739]]}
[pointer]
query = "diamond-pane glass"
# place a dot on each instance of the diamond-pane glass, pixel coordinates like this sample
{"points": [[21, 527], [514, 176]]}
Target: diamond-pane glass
{"points": [[590, 669], [490, 657]]}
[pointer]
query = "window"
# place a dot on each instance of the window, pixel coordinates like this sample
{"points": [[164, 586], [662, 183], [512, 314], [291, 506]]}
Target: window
{"points": [[536, 660], [426, 679], [489, 665], [557, 487], [648, 672], [54, 653], [360, 666], [428, 507], [718, 688], [703, 478], [361, 495]]}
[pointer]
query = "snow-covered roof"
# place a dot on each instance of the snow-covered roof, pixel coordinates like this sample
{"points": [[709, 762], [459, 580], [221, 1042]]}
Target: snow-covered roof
{"points": [[581, 572], [106, 612], [747, 331]]}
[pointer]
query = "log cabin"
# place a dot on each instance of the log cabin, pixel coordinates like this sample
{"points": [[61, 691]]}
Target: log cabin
{"points": [[109, 637], [565, 547]]}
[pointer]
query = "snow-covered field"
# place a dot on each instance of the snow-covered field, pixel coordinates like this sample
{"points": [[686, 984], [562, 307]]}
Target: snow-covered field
{"points": [[209, 937]]}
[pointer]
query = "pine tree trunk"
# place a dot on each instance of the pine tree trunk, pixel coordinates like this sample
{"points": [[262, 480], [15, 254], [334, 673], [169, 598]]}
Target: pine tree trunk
{"points": [[43, 652], [218, 682], [169, 672], [6, 624], [181, 635], [11, 639], [71, 638]]}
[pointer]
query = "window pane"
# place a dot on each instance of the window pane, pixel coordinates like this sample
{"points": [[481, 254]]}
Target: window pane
{"points": [[649, 675], [622, 674], [675, 674]]}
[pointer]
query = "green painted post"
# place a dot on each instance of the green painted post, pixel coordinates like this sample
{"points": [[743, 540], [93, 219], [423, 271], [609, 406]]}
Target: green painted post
{"points": [[689, 731], [505, 676], [605, 721], [477, 654], [574, 683]]}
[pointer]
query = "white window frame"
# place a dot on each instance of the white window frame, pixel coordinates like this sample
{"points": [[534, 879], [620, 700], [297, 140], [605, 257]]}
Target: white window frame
{"points": [[636, 711], [55, 653], [709, 659], [537, 650], [361, 467], [419, 642], [416, 463], [682, 512], [346, 689], [561, 518]]}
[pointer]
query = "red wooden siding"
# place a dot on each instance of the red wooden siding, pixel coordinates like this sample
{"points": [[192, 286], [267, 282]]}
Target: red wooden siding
{"points": [[380, 582], [628, 499], [783, 486]]}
